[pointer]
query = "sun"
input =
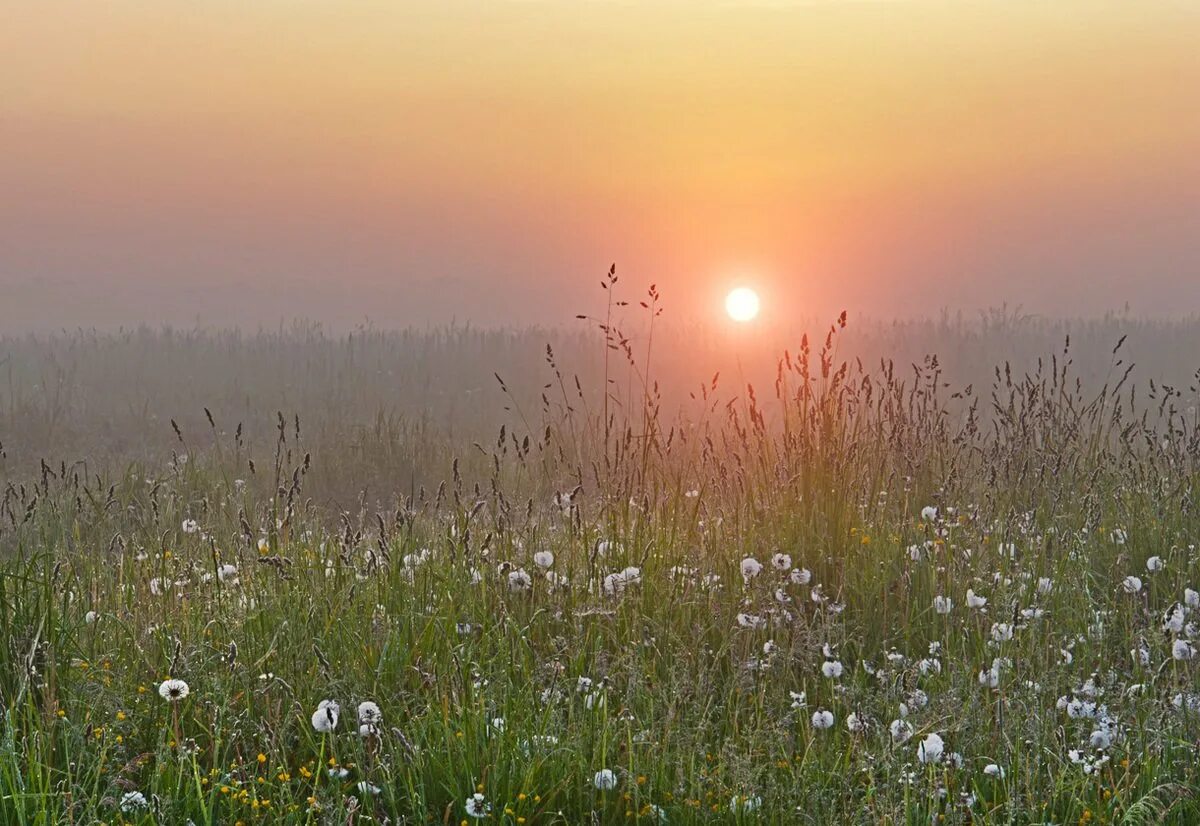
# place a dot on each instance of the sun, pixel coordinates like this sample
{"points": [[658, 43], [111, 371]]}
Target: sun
{"points": [[742, 304]]}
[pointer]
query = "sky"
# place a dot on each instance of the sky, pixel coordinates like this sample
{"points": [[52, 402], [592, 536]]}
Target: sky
{"points": [[359, 161]]}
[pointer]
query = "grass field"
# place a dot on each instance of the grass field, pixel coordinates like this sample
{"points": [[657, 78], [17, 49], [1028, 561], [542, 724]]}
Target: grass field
{"points": [[861, 592]]}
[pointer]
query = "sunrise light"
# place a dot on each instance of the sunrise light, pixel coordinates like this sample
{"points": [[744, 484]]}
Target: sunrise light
{"points": [[742, 304]]}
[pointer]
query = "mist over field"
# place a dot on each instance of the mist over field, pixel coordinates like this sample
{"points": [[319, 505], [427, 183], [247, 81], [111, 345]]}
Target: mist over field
{"points": [[110, 397]]}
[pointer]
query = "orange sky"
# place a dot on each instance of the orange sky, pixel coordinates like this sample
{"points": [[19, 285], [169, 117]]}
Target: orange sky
{"points": [[242, 162]]}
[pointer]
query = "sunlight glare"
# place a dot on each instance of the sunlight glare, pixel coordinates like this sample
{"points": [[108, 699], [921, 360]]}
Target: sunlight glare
{"points": [[742, 304]]}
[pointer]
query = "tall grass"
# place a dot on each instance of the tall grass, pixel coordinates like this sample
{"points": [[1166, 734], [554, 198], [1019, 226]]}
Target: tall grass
{"points": [[605, 568]]}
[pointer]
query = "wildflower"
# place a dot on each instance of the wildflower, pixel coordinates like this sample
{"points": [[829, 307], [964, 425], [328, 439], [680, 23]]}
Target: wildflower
{"points": [[822, 719], [518, 580], [1183, 650], [1045, 585], [781, 562], [799, 699], [1131, 584], [1174, 619], [190, 526], [1191, 598], [901, 731], [369, 714], [1002, 631], [605, 780], [750, 620], [133, 801], [368, 788], [992, 770], [974, 600], [942, 605], [832, 669], [543, 559], [477, 806], [227, 573], [751, 568], [173, 690], [1078, 709], [616, 583], [90, 617], [931, 748], [1155, 564], [800, 576], [325, 718], [928, 513], [855, 724]]}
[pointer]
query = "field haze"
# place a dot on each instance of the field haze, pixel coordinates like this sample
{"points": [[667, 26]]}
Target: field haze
{"points": [[456, 576]]}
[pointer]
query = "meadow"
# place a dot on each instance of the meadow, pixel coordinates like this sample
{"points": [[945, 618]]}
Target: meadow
{"points": [[569, 576]]}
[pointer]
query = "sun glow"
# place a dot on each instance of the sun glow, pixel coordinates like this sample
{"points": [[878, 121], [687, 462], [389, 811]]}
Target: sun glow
{"points": [[742, 304]]}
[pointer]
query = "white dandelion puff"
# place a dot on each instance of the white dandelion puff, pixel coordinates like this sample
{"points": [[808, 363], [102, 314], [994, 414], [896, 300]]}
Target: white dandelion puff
{"points": [[751, 568], [173, 690], [605, 780], [325, 718], [832, 669], [369, 713], [477, 806], [901, 731], [800, 576], [133, 801], [931, 749]]}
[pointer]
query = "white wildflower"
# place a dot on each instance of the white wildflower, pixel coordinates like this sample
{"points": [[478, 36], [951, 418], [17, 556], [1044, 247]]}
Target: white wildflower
{"points": [[325, 718], [477, 806], [751, 568], [173, 690], [605, 780], [931, 748]]}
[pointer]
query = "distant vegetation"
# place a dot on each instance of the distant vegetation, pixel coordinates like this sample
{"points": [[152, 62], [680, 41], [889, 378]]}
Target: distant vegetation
{"points": [[456, 576]]}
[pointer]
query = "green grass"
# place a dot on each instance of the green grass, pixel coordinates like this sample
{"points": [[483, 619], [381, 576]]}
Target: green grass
{"points": [[410, 604]]}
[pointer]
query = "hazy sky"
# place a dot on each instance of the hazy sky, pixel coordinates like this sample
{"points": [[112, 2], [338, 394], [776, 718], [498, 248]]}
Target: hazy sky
{"points": [[248, 162]]}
